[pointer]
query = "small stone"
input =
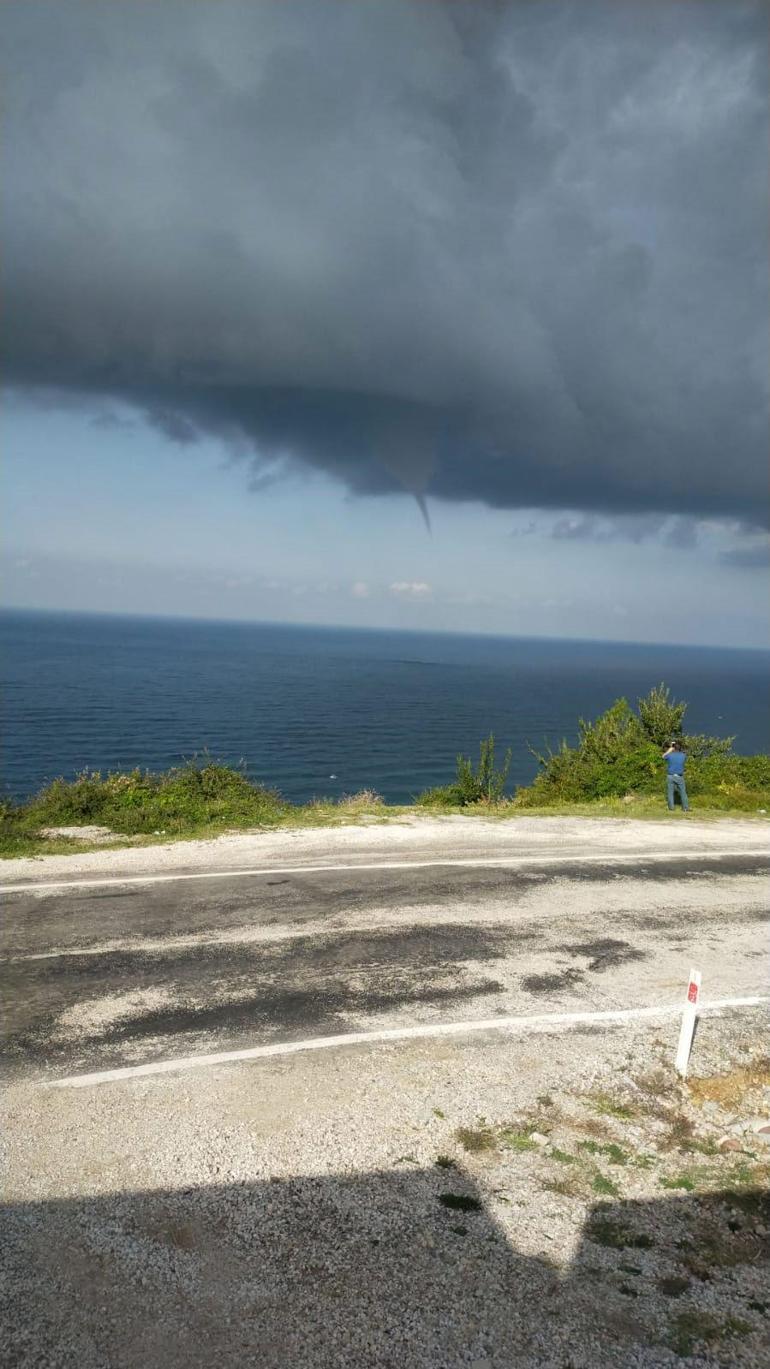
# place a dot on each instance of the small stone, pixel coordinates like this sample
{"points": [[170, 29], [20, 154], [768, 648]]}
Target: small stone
{"points": [[538, 1138], [729, 1143]]}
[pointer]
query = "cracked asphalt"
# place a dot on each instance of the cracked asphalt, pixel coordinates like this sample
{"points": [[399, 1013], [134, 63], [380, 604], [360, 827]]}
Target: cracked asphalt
{"points": [[99, 977]]}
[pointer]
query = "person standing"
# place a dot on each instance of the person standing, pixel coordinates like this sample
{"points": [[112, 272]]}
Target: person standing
{"points": [[675, 758]]}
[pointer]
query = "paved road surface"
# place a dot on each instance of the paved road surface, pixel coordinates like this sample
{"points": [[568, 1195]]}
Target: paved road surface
{"points": [[111, 974]]}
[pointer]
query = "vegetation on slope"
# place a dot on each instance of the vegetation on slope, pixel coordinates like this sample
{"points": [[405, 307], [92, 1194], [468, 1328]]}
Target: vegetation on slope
{"points": [[616, 767], [619, 756], [201, 798]]}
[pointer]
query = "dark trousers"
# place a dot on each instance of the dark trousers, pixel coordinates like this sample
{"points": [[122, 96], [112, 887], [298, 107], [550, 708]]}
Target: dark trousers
{"points": [[674, 784]]}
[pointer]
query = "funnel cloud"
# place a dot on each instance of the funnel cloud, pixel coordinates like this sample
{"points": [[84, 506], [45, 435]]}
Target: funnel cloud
{"points": [[511, 254]]}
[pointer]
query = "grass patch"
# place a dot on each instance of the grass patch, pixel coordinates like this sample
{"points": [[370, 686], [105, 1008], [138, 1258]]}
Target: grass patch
{"points": [[562, 1157], [690, 1329], [686, 1181], [601, 1184], [459, 1202], [514, 1139], [607, 1106], [613, 1152], [202, 798], [694, 1327]]}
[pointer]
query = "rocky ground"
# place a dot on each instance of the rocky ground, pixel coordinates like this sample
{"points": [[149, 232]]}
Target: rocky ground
{"points": [[553, 1200]]}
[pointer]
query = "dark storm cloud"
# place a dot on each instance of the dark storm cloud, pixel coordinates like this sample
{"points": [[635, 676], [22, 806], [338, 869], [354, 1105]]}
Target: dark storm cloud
{"points": [[508, 253], [681, 531]]}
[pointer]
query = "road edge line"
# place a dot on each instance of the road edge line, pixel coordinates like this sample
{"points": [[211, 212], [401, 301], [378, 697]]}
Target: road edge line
{"points": [[385, 1034]]}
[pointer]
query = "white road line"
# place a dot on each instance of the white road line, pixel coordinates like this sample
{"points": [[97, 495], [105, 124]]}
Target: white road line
{"points": [[319, 1043], [471, 862]]}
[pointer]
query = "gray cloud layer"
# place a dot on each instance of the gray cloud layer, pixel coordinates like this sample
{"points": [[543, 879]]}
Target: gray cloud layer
{"points": [[512, 253]]}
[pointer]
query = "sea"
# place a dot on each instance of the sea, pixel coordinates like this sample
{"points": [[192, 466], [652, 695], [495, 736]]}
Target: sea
{"points": [[329, 711]]}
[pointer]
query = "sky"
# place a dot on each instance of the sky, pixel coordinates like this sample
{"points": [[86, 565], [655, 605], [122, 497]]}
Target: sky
{"points": [[424, 315]]}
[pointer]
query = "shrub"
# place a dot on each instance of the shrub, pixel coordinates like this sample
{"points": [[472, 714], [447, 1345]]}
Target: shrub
{"points": [[621, 753], [194, 795], [660, 716], [484, 784]]}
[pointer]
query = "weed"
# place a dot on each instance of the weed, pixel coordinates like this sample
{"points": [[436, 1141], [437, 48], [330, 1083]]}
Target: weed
{"points": [[459, 1202], [607, 1106], [757, 1202], [459, 1230], [476, 1139], [736, 1326], [517, 1140], [545, 1100], [592, 1126], [614, 1153], [563, 1157], [695, 1327], [691, 1328], [566, 1188], [616, 1235], [686, 1181], [681, 1136], [445, 1162], [438, 1113], [743, 1174], [405, 1160], [601, 1184]]}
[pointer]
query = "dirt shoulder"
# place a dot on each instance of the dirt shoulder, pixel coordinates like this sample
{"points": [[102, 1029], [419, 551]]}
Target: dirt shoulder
{"points": [[411, 837]]}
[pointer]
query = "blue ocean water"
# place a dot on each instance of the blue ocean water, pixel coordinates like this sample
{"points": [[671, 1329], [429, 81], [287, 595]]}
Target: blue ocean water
{"points": [[328, 711]]}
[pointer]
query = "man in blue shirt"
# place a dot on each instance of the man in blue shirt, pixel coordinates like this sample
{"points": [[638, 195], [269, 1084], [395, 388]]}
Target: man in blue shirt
{"points": [[675, 758]]}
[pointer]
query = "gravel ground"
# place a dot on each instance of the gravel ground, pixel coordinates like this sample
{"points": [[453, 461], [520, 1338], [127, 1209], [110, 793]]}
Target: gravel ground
{"points": [[551, 1200], [412, 837]]}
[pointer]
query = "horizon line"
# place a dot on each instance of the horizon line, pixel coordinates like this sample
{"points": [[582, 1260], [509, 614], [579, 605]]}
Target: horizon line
{"points": [[133, 615]]}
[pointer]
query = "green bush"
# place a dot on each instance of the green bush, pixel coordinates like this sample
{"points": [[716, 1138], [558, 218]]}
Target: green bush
{"points": [[660, 716], [197, 794], [621, 753]]}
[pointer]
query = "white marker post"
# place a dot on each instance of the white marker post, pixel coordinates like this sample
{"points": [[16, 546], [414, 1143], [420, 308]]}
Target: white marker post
{"points": [[688, 1023]]}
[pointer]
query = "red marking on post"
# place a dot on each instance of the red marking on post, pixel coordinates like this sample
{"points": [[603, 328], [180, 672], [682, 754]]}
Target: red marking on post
{"points": [[692, 992]]}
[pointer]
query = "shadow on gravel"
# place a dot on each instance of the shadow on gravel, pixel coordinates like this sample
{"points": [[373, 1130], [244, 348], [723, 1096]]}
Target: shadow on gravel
{"points": [[400, 1269]]}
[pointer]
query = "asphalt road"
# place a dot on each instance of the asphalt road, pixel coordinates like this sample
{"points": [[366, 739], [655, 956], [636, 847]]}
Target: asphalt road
{"points": [[127, 973]]}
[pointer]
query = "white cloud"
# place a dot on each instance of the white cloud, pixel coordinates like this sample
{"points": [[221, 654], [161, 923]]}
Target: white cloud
{"points": [[412, 589], [360, 590]]}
